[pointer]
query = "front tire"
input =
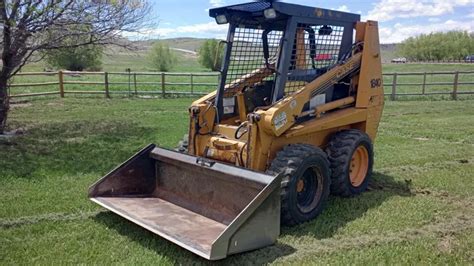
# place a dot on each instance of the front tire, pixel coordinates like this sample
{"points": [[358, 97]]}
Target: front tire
{"points": [[351, 157], [305, 185]]}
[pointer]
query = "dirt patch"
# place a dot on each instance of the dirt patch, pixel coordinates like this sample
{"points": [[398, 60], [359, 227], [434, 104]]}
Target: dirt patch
{"points": [[447, 243], [20, 105], [55, 217], [12, 133], [76, 140], [55, 104], [422, 139]]}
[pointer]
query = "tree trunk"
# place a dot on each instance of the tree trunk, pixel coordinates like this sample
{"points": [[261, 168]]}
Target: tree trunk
{"points": [[4, 105]]}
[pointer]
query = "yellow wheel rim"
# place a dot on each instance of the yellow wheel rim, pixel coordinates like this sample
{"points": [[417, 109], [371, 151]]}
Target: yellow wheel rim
{"points": [[300, 186], [358, 166]]}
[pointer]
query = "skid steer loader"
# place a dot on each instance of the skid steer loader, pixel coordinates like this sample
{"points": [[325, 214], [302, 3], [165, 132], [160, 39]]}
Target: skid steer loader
{"points": [[293, 118]]}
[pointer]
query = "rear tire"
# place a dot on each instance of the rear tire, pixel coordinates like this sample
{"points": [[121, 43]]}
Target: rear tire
{"points": [[305, 184], [351, 158]]}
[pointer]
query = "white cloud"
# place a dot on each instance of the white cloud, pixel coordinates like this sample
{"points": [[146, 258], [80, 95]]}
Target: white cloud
{"points": [[216, 3], [435, 19], [343, 8], [204, 30], [400, 32], [390, 9]]}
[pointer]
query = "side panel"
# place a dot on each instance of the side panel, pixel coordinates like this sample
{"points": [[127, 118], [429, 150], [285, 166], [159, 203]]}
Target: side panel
{"points": [[370, 90]]}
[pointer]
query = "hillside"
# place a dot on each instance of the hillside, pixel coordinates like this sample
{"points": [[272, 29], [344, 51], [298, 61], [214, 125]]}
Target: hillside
{"points": [[118, 59]]}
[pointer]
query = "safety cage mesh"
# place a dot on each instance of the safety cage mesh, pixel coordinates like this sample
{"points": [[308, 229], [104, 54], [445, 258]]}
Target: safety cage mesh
{"points": [[247, 62], [316, 48]]}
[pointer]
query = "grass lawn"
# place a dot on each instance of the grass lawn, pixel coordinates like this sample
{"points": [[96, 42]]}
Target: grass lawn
{"points": [[419, 208]]}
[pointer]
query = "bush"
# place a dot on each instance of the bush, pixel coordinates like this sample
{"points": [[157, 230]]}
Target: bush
{"points": [[208, 53], [161, 57], [453, 45], [76, 58]]}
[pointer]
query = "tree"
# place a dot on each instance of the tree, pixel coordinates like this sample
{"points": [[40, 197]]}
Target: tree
{"points": [[438, 46], [161, 57], [209, 56], [30, 27], [76, 58]]}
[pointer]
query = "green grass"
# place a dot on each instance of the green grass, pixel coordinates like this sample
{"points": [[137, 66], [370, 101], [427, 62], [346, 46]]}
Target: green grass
{"points": [[419, 208]]}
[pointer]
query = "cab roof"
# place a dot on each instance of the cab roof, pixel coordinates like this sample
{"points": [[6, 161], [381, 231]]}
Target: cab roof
{"points": [[252, 10]]}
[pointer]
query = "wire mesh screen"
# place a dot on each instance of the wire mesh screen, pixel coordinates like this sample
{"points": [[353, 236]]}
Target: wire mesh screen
{"points": [[316, 48], [247, 64]]}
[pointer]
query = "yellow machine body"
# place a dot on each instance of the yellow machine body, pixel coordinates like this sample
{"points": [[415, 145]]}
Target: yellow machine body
{"points": [[273, 127]]}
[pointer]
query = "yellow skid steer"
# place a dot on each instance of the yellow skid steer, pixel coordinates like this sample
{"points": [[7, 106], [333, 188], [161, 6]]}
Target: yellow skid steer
{"points": [[293, 119]]}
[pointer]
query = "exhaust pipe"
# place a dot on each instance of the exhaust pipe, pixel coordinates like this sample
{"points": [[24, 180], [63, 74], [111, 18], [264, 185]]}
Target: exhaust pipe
{"points": [[209, 208]]}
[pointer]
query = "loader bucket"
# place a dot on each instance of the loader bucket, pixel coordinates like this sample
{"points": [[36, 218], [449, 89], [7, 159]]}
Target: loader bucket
{"points": [[209, 208]]}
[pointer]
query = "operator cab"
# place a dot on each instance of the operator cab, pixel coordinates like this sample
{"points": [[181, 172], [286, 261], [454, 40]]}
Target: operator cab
{"points": [[275, 49]]}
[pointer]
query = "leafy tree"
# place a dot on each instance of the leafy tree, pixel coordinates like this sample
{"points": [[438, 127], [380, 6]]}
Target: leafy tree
{"points": [[209, 56], [29, 27], [76, 58], [161, 57], [453, 45]]}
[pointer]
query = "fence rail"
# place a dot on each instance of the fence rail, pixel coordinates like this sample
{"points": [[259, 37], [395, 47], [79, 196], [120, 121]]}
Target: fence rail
{"points": [[433, 61], [194, 84]]}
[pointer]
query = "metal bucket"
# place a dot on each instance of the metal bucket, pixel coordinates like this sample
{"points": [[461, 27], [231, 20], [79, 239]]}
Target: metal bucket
{"points": [[209, 208]]}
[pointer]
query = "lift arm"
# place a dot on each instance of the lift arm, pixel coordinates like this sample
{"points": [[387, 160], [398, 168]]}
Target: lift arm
{"points": [[282, 116]]}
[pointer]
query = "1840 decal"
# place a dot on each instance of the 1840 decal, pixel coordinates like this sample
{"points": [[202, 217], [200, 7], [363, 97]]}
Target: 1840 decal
{"points": [[375, 83]]}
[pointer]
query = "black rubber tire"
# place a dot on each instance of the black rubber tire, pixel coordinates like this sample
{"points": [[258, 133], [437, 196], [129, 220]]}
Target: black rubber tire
{"points": [[294, 161], [183, 145], [340, 149]]}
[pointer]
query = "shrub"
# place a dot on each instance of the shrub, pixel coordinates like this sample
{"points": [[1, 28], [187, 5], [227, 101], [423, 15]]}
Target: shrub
{"points": [[76, 58], [453, 45], [208, 53], [161, 57]]}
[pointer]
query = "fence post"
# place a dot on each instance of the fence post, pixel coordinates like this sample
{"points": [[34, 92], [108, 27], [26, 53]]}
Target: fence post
{"points": [[106, 83], [135, 82], [423, 89], [394, 87], [129, 81], [163, 90], [192, 82], [455, 86], [61, 83]]}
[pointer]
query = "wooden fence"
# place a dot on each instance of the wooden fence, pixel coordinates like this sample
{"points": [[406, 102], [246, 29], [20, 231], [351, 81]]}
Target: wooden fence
{"points": [[434, 61], [193, 84], [450, 82], [131, 83]]}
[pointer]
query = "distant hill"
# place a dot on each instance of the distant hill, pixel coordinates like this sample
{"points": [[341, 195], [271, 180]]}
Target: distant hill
{"points": [[193, 44], [185, 43]]}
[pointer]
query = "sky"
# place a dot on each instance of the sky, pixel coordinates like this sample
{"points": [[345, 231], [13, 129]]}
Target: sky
{"points": [[398, 19]]}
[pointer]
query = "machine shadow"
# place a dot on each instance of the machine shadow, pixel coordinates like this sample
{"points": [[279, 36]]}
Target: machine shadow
{"points": [[340, 211], [180, 256]]}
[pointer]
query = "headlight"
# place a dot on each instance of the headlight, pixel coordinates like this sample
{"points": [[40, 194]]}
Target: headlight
{"points": [[269, 13], [221, 19]]}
